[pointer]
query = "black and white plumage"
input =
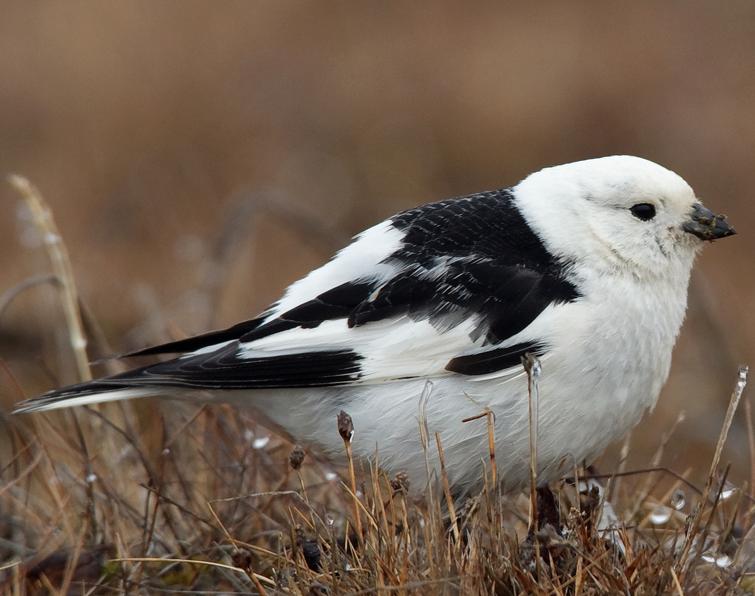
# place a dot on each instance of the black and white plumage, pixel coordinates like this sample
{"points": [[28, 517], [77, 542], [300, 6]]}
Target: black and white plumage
{"points": [[585, 264]]}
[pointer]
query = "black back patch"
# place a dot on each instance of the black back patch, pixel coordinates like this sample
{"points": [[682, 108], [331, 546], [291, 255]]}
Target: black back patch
{"points": [[474, 256]]}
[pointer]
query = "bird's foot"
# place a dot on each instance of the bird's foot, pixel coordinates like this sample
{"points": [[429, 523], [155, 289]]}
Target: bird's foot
{"points": [[548, 513]]}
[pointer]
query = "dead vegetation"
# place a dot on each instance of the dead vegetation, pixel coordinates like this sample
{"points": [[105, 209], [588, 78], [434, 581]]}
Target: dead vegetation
{"points": [[157, 498], [205, 501]]}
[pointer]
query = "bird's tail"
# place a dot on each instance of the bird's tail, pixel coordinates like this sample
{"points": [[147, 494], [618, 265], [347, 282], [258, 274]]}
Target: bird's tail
{"points": [[92, 392]]}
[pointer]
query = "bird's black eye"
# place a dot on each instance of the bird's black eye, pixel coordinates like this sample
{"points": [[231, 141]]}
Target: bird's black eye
{"points": [[643, 211]]}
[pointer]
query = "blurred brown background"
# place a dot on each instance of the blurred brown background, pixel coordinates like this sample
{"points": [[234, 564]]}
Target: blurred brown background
{"points": [[187, 147]]}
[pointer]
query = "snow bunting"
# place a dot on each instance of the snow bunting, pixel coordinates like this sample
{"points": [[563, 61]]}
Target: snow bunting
{"points": [[585, 265]]}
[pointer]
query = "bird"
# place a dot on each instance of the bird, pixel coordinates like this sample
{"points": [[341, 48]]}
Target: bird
{"points": [[425, 318]]}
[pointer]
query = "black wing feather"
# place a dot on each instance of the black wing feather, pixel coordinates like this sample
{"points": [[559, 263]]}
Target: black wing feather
{"points": [[491, 361], [224, 369], [197, 342]]}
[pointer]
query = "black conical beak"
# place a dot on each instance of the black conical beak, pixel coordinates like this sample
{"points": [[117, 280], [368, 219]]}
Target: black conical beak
{"points": [[706, 225]]}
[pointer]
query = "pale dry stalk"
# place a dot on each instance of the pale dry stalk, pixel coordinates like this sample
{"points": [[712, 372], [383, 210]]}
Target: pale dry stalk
{"points": [[532, 368], [346, 430], [447, 489], [736, 395], [491, 447], [61, 265]]}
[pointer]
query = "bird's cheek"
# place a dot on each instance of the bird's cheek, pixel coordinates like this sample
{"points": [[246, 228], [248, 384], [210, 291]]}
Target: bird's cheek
{"points": [[678, 236], [684, 239]]}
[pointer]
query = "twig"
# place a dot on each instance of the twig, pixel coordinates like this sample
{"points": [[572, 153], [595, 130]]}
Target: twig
{"points": [[750, 441], [677, 585], [7, 297], [489, 416], [424, 437], [647, 487], [491, 448], [73, 561], [639, 471], [61, 266], [269, 493], [252, 576], [259, 577], [709, 522], [88, 477], [8, 485]]}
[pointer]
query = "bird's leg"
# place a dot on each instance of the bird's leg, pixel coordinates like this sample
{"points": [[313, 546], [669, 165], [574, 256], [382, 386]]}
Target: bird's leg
{"points": [[547, 509], [594, 503], [546, 533], [590, 493]]}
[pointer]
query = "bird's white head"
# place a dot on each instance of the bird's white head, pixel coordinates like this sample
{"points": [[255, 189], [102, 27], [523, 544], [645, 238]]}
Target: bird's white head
{"points": [[619, 214]]}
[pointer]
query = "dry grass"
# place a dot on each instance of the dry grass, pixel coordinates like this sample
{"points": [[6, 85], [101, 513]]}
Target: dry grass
{"points": [[215, 507], [154, 498]]}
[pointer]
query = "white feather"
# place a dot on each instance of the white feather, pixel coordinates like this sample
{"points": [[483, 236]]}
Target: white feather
{"points": [[84, 400]]}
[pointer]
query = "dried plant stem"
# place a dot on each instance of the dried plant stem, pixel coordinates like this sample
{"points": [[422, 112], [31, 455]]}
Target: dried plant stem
{"points": [[612, 486], [532, 367], [37, 280], [22, 475], [225, 531], [61, 266], [257, 576], [424, 437], [346, 430], [447, 488], [490, 419], [709, 521], [578, 578], [63, 275], [73, 561], [677, 585], [750, 442], [353, 483], [89, 474], [250, 574], [644, 492], [736, 396], [491, 448]]}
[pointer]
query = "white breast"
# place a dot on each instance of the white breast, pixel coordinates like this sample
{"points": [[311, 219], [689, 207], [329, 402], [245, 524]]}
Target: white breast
{"points": [[613, 358]]}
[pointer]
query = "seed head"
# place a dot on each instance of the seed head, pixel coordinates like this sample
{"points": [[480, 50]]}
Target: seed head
{"points": [[400, 484], [345, 426], [296, 457]]}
